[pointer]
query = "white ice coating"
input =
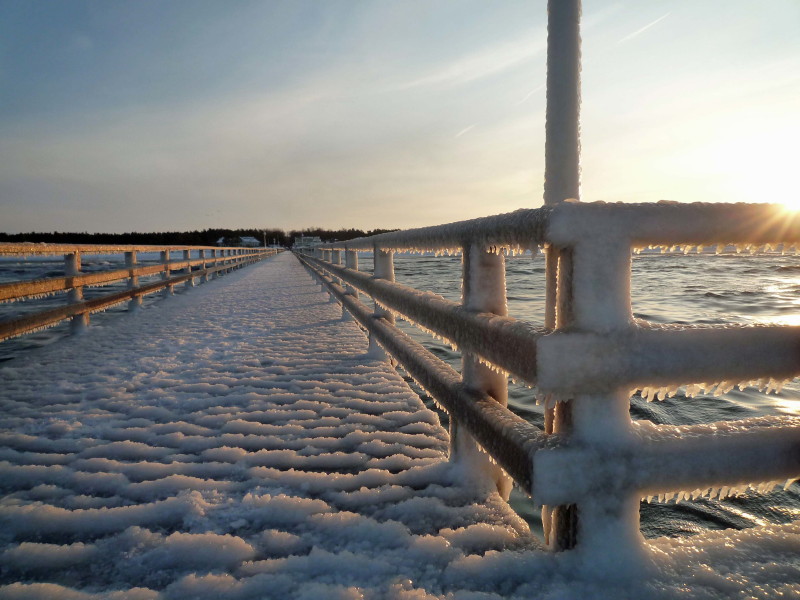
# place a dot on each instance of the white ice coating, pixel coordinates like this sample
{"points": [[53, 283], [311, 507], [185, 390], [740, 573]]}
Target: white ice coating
{"points": [[659, 359], [516, 231], [709, 459], [256, 454], [673, 224]]}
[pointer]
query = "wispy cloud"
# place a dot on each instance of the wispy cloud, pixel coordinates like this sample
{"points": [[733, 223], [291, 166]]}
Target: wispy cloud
{"points": [[485, 63], [531, 93], [630, 36], [465, 130]]}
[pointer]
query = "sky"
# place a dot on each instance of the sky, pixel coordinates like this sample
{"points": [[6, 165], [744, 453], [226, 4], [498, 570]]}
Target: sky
{"points": [[189, 114]]}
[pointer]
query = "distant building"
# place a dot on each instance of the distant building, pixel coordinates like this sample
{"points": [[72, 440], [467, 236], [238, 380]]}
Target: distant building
{"points": [[307, 241], [246, 241], [249, 242]]}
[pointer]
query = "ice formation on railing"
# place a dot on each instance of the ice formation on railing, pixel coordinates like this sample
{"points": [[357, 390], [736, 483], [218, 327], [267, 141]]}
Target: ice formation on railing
{"points": [[606, 353]]}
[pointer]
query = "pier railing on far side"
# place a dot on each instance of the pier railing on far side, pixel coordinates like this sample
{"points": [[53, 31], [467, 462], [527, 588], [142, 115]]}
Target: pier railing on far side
{"points": [[196, 262], [591, 465]]}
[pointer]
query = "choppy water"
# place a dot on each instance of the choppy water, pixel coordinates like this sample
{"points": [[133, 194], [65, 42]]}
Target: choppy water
{"points": [[694, 289]]}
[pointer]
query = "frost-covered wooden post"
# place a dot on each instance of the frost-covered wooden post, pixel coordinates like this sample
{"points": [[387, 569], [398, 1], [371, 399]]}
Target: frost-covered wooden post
{"points": [[166, 273], [601, 304], [131, 261], [483, 290], [187, 256], [326, 256], [350, 262], [336, 259], [204, 278], [383, 268], [562, 182], [72, 268]]}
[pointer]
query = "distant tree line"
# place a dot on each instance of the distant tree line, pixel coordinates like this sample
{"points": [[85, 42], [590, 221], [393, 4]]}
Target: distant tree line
{"points": [[206, 237]]}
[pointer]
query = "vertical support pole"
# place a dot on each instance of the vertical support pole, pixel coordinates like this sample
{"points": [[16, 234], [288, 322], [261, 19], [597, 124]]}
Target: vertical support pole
{"points": [[560, 523], [72, 268], [204, 278], [168, 291], [383, 268], [336, 259], [561, 181], [327, 254], [562, 127], [187, 256], [133, 281], [483, 290], [350, 262], [601, 304]]}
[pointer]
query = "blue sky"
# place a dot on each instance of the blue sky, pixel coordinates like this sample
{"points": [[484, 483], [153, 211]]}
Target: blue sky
{"points": [[157, 115]]}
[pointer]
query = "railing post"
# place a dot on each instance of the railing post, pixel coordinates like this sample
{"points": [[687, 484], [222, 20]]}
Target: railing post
{"points": [[601, 304], [483, 290], [350, 262], [326, 256], [187, 256], [72, 268], [133, 281], [204, 278], [383, 268], [168, 291], [336, 259]]}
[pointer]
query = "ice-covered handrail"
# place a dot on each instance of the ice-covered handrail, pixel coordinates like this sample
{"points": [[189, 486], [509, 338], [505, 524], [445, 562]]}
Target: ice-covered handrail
{"points": [[524, 228], [588, 365], [507, 343], [568, 223], [211, 261], [44, 248]]}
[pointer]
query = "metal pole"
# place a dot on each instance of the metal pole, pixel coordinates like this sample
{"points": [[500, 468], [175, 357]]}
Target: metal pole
{"points": [[562, 128], [561, 182]]}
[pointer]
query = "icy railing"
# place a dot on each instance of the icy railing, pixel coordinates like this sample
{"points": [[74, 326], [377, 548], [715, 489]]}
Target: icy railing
{"points": [[592, 465], [210, 261]]}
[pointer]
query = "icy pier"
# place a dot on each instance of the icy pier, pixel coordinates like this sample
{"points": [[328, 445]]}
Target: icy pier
{"points": [[238, 441], [232, 441]]}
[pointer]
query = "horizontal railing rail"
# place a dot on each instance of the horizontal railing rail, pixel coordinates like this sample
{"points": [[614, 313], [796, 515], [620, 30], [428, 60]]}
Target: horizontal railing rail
{"points": [[211, 262], [592, 464]]}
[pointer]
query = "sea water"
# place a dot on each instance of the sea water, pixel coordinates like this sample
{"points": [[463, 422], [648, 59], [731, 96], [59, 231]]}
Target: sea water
{"points": [[665, 288]]}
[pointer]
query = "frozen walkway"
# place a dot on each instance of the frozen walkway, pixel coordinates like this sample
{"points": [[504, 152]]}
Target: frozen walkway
{"points": [[232, 440], [236, 442]]}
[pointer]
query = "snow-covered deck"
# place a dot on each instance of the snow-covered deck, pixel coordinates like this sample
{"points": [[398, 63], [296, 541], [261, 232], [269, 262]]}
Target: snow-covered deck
{"points": [[236, 441]]}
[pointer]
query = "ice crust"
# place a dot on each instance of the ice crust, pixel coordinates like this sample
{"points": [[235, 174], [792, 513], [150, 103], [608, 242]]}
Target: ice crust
{"points": [[240, 444]]}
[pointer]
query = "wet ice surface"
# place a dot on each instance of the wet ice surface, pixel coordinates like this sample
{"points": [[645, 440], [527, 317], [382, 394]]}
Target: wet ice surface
{"points": [[234, 441]]}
